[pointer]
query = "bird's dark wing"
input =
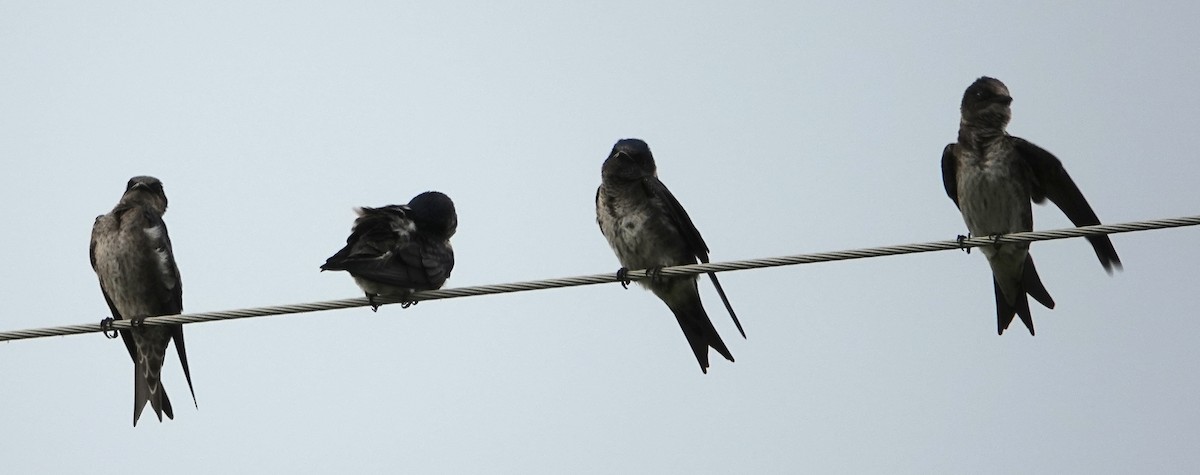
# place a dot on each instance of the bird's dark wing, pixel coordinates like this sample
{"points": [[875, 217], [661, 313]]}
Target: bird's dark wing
{"points": [[438, 260], [412, 265], [658, 191], [950, 173], [171, 291], [687, 230], [1049, 179], [376, 232], [164, 259], [386, 247]]}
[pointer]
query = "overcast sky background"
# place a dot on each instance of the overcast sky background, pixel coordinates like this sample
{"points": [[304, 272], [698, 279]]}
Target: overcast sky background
{"points": [[783, 128]]}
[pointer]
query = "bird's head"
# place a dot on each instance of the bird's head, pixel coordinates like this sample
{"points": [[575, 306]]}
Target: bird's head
{"points": [[986, 103], [145, 190], [434, 213], [630, 160]]}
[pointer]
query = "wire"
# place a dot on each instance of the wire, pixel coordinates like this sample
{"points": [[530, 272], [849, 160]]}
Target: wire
{"points": [[691, 269]]}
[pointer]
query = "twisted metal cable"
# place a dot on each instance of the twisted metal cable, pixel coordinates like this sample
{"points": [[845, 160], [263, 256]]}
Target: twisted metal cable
{"points": [[690, 269]]}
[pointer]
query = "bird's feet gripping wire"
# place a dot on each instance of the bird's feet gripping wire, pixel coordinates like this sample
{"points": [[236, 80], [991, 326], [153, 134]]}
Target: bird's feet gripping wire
{"points": [[623, 277], [652, 273], [655, 274], [404, 302], [962, 239], [106, 326]]}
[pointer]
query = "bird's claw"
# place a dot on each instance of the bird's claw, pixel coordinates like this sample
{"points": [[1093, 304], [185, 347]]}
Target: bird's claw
{"points": [[623, 277], [407, 303], [106, 326], [374, 305], [996, 240], [961, 239], [137, 322], [655, 274]]}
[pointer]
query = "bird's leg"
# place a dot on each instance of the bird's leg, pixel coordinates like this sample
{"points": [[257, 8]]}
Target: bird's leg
{"points": [[623, 277], [374, 304], [960, 240], [107, 328], [655, 274]]}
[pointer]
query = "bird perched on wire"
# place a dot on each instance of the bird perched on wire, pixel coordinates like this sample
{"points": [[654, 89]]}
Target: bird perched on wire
{"points": [[992, 176], [647, 228], [397, 249], [132, 256]]}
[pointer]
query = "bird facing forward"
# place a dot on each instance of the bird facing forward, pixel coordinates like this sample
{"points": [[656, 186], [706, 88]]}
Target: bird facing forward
{"points": [[132, 256], [647, 228], [992, 176]]}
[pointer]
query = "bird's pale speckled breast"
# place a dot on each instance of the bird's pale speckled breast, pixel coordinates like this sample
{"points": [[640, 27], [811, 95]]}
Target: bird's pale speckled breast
{"points": [[994, 199], [992, 194], [117, 270], [626, 225]]}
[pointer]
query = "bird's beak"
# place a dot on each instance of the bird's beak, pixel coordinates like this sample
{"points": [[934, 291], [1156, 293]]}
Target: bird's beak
{"points": [[1006, 100], [139, 186], [619, 153]]}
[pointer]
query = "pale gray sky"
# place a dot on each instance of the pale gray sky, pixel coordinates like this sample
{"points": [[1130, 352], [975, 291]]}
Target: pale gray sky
{"points": [[784, 128]]}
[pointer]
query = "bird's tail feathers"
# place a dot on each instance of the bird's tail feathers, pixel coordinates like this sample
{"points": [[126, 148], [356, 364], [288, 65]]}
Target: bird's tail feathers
{"points": [[1033, 284], [1005, 312], [698, 329], [147, 388], [151, 343], [725, 300], [177, 335]]}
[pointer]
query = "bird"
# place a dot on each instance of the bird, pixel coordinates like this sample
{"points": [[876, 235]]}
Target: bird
{"points": [[647, 228], [395, 250], [992, 177], [131, 254]]}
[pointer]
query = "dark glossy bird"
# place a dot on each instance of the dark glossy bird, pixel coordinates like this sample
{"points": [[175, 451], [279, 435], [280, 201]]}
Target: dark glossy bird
{"points": [[131, 254], [647, 228], [992, 177], [397, 249]]}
